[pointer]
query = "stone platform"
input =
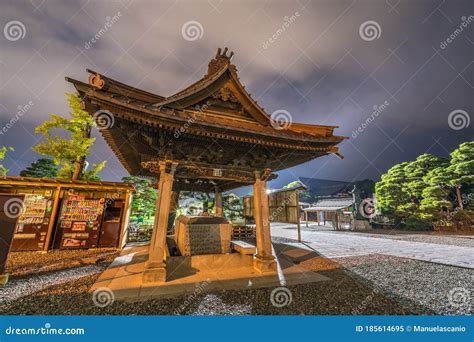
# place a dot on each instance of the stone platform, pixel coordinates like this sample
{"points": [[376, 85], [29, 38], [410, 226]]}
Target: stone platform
{"points": [[234, 271]]}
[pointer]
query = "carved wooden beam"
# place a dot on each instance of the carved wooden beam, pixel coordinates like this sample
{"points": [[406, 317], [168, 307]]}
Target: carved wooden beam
{"points": [[200, 185], [167, 166], [188, 170]]}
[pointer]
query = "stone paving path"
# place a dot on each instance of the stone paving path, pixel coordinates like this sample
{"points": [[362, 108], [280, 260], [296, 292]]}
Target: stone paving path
{"points": [[342, 244]]}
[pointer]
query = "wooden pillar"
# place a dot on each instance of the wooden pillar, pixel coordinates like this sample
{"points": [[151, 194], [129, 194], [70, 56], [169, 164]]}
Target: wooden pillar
{"points": [[264, 260], [156, 266], [298, 216], [299, 223], [306, 217], [317, 217], [218, 210], [52, 219], [125, 220]]}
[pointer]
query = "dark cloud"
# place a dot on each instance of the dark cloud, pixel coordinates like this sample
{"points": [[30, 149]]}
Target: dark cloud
{"points": [[318, 68]]}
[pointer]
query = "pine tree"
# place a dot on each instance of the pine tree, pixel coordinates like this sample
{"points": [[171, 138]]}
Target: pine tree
{"points": [[202, 197], [462, 170], [430, 189], [233, 206], [144, 198], [304, 195], [415, 183], [437, 195], [42, 168], [390, 192]]}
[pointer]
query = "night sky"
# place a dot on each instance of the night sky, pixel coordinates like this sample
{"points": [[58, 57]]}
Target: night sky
{"points": [[325, 62]]}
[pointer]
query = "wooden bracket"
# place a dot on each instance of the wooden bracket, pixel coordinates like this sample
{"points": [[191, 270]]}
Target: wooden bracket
{"points": [[265, 175]]}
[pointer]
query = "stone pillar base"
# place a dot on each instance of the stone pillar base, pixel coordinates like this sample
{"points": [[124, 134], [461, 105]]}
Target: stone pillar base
{"points": [[264, 265], [3, 279], [154, 275]]}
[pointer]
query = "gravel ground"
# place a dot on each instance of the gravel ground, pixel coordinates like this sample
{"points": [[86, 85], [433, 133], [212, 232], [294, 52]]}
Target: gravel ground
{"points": [[65, 292], [24, 286], [336, 297], [211, 305], [29, 263], [369, 285], [444, 289]]}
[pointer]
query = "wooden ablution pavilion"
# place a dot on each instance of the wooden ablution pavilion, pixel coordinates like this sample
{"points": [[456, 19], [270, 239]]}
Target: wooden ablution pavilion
{"points": [[210, 137]]}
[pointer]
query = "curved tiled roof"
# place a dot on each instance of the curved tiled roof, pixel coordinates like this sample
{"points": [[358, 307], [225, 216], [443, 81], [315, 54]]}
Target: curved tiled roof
{"points": [[331, 204], [233, 119]]}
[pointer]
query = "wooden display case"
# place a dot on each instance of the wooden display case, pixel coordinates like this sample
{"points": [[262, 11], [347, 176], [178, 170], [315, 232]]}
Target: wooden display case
{"points": [[79, 222], [32, 225], [69, 214]]}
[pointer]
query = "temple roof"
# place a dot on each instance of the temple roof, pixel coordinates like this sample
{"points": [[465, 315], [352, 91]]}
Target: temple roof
{"points": [[331, 204], [216, 111]]}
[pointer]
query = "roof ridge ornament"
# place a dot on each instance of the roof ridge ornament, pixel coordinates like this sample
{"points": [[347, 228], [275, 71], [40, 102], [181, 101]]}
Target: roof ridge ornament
{"points": [[96, 81], [222, 59], [224, 54]]}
